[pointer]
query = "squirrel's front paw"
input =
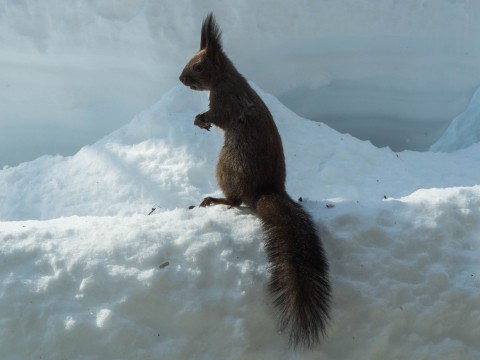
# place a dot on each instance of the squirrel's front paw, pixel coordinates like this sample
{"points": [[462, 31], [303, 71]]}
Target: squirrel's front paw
{"points": [[201, 122]]}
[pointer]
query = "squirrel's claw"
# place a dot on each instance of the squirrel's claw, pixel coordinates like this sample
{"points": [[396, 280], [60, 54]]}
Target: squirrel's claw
{"points": [[201, 122]]}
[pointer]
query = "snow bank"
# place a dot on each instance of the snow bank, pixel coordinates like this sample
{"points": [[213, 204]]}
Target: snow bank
{"points": [[464, 129], [86, 274], [160, 159], [394, 72]]}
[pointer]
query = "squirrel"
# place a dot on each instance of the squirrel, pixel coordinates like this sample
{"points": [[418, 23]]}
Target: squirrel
{"points": [[251, 170]]}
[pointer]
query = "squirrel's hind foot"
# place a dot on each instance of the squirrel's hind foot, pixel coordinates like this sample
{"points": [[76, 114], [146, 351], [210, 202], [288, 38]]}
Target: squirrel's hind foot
{"points": [[209, 201]]}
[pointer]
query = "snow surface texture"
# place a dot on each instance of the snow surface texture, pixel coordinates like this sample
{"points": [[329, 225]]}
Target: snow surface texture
{"points": [[86, 274], [464, 129], [395, 72]]}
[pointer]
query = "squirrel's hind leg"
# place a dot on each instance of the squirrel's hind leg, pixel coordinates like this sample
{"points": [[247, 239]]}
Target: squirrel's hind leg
{"points": [[208, 201]]}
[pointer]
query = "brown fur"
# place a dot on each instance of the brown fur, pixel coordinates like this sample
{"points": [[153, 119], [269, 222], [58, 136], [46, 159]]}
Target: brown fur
{"points": [[251, 170]]}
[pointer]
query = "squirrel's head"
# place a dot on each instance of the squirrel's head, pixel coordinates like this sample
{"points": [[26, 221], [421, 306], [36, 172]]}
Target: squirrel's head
{"points": [[204, 70]]}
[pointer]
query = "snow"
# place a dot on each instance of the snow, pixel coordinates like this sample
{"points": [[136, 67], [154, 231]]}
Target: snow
{"points": [[393, 72], [463, 131], [85, 273]]}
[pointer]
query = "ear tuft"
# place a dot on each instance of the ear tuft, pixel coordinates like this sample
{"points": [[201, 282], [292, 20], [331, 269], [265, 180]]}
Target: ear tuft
{"points": [[211, 38]]}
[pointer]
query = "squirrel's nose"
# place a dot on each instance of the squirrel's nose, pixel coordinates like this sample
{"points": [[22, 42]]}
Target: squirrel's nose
{"points": [[185, 79]]}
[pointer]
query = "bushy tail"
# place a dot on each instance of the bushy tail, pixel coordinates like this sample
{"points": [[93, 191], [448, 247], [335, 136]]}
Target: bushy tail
{"points": [[299, 280]]}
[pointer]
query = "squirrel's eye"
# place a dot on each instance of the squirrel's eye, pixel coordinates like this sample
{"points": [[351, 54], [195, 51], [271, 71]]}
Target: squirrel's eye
{"points": [[198, 68]]}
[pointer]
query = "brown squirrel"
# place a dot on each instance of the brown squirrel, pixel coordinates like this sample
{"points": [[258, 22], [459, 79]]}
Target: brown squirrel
{"points": [[251, 170]]}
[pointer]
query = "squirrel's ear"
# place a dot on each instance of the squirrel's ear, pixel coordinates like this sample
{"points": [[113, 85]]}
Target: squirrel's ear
{"points": [[203, 37], [211, 38]]}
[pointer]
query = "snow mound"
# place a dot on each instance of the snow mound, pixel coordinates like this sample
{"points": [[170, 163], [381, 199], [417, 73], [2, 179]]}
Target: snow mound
{"points": [[463, 131], [86, 274], [160, 159]]}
